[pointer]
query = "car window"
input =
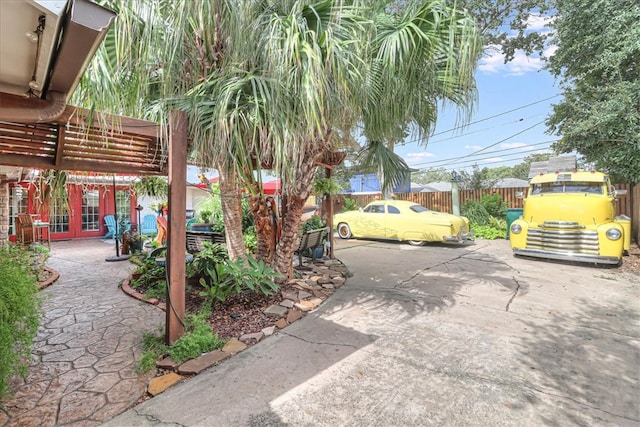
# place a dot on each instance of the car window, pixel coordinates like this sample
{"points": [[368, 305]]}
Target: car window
{"points": [[418, 208], [374, 209], [392, 209]]}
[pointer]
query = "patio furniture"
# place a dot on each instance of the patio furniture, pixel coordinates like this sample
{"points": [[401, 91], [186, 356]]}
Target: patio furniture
{"points": [[149, 227], [110, 223], [24, 228], [311, 239], [195, 240]]}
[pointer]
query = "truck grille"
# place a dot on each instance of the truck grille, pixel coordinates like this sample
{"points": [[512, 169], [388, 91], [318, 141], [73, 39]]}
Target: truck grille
{"points": [[563, 236]]}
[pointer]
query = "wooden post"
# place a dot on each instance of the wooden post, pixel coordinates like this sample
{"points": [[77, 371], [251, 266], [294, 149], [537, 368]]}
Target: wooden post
{"points": [[176, 239], [330, 218]]}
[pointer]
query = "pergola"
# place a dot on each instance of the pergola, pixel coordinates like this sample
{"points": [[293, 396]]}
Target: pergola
{"points": [[39, 130]]}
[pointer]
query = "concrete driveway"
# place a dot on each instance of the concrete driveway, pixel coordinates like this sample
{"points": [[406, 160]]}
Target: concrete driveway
{"points": [[434, 335]]}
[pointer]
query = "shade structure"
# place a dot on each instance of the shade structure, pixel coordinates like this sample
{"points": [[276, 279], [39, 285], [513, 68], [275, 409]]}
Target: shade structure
{"points": [[272, 187]]}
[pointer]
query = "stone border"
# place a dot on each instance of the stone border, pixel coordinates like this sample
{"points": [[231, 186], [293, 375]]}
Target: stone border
{"points": [[54, 276], [300, 297]]}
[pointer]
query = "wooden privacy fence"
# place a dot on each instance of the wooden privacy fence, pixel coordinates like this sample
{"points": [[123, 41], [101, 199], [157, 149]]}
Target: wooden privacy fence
{"points": [[628, 205]]}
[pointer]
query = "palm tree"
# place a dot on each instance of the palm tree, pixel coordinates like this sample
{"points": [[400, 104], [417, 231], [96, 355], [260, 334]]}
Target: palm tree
{"points": [[273, 80]]}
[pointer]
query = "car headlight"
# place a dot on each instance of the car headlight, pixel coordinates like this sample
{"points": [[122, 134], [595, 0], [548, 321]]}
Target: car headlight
{"points": [[613, 234], [516, 228]]}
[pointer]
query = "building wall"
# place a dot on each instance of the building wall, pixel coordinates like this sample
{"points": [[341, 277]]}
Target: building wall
{"points": [[4, 213]]}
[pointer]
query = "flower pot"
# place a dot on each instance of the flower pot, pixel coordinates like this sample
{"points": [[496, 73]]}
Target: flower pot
{"points": [[316, 253]]}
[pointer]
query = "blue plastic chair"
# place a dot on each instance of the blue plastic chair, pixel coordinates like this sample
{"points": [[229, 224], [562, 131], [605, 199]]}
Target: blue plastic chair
{"points": [[149, 226], [110, 223]]}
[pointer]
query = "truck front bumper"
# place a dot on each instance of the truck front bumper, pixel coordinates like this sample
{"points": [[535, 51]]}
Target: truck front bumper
{"points": [[564, 256]]}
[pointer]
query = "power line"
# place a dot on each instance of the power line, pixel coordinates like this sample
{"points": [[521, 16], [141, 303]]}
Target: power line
{"points": [[468, 159], [481, 120], [483, 149]]}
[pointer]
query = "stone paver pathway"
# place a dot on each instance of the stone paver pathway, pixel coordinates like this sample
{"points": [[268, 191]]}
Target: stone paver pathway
{"points": [[88, 343]]}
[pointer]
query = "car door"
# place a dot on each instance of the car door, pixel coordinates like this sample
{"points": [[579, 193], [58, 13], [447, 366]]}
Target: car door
{"points": [[394, 223], [372, 222]]}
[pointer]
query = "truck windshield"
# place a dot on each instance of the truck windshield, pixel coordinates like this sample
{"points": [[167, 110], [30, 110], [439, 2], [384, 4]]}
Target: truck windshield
{"points": [[568, 187]]}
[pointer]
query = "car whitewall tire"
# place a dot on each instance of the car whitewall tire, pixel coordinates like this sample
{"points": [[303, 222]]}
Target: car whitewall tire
{"points": [[344, 232]]}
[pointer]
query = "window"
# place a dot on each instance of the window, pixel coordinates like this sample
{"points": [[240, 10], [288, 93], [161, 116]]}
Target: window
{"points": [[18, 203], [393, 210], [58, 218], [90, 210], [374, 209], [123, 205], [419, 208]]}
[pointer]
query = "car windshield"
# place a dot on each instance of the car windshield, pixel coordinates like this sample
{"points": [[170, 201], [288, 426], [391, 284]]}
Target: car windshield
{"points": [[419, 208], [567, 187]]}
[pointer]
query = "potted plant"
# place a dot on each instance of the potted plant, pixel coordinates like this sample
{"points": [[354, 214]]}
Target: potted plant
{"points": [[131, 242]]}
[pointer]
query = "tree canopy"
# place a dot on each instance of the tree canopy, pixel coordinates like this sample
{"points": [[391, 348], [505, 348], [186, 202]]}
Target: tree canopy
{"points": [[598, 62]]}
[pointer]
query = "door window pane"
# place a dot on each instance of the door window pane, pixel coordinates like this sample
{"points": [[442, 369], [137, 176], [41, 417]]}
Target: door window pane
{"points": [[59, 219], [90, 210]]}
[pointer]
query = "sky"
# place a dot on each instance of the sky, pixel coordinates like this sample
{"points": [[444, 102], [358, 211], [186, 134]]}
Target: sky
{"points": [[507, 123]]}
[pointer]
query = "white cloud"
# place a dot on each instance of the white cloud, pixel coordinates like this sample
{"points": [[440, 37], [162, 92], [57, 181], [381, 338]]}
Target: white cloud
{"points": [[508, 145], [415, 158], [519, 65], [539, 23], [472, 147]]}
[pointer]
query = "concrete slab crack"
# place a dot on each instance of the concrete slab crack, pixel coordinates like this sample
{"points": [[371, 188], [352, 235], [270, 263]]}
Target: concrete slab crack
{"points": [[318, 343], [156, 421], [515, 293]]}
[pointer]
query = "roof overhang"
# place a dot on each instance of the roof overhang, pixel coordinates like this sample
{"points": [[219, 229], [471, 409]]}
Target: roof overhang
{"points": [[46, 45]]}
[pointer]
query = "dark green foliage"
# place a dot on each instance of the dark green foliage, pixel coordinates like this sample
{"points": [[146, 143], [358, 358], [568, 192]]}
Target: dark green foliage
{"points": [[19, 313], [494, 205], [486, 217], [597, 62], [197, 339], [349, 204], [312, 223], [476, 213]]}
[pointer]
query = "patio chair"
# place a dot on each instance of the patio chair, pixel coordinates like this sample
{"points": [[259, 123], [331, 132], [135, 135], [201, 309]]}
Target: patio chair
{"points": [[24, 228], [110, 223], [149, 227]]}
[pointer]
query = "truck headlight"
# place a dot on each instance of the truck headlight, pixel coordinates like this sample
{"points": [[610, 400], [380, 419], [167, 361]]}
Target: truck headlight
{"points": [[613, 234], [516, 228]]}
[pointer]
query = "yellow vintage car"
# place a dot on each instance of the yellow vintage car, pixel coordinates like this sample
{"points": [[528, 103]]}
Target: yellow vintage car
{"points": [[402, 220]]}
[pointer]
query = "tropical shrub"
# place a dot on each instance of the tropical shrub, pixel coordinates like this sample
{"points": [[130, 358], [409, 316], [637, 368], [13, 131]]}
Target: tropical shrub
{"points": [[349, 204], [197, 339], [19, 313], [487, 217]]}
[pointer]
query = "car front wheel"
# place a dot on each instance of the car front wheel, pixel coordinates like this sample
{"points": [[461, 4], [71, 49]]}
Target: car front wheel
{"points": [[344, 231], [416, 242]]}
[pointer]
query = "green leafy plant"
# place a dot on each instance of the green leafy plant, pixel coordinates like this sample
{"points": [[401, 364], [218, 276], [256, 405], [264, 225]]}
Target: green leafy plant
{"points": [[19, 313], [198, 338], [322, 186], [257, 276], [312, 223], [349, 204], [475, 212], [250, 239], [494, 205]]}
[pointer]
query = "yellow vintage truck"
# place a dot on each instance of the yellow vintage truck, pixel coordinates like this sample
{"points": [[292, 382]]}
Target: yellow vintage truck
{"points": [[571, 216]]}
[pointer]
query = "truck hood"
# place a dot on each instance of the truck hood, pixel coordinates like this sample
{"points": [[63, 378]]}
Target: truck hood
{"points": [[584, 208]]}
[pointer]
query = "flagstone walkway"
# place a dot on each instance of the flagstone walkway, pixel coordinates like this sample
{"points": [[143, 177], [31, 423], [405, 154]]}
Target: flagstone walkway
{"points": [[88, 343]]}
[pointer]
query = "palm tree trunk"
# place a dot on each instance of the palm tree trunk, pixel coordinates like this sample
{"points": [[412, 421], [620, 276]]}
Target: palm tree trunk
{"points": [[298, 192], [266, 227], [230, 198]]}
